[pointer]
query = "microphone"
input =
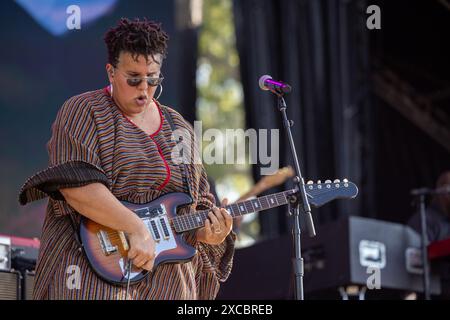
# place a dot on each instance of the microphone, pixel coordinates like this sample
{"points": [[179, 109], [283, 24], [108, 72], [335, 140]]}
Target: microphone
{"points": [[267, 83]]}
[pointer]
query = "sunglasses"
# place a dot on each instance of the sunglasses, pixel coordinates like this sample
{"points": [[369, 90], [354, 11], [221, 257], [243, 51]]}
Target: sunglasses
{"points": [[151, 81]]}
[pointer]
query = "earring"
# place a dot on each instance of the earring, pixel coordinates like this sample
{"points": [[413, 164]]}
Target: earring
{"points": [[110, 84], [160, 91]]}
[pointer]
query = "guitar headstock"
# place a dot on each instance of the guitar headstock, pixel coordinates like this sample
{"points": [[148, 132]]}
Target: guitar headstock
{"points": [[320, 193]]}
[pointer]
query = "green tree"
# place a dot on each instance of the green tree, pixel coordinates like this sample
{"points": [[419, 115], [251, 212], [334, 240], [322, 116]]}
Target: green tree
{"points": [[220, 96]]}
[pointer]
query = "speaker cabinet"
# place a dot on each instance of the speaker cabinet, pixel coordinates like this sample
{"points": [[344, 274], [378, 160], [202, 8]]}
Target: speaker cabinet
{"points": [[28, 285], [10, 287]]}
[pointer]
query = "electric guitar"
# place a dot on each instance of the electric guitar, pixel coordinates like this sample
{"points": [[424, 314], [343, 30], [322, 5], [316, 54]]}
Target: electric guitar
{"points": [[107, 249]]}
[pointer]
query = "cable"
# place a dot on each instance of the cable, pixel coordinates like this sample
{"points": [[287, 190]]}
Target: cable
{"points": [[129, 278]]}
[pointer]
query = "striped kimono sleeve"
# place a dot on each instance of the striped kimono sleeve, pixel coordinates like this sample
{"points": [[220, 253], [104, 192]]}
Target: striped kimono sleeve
{"points": [[216, 258], [72, 152]]}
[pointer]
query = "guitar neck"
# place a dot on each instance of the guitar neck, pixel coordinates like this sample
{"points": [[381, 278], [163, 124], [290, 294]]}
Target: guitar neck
{"points": [[197, 220]]}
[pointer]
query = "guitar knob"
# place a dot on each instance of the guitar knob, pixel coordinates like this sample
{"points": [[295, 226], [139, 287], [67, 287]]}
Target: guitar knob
{"points": [[327, 181], [337, 181], [310, 182]]}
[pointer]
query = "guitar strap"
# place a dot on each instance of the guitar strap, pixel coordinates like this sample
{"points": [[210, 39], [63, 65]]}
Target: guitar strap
{"points": [[183, 166]]}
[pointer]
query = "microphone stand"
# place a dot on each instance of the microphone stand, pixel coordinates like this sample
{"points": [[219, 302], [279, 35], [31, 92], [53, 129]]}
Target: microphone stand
{"points": [[421, 194], [296, 203], [424, 241]]}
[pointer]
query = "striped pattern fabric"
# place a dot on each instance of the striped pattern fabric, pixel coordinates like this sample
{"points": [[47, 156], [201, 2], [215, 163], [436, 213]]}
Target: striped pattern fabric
{"points": [[92, 141]]}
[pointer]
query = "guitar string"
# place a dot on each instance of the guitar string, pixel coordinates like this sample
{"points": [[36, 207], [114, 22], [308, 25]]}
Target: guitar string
{"points": [[187, 217]]}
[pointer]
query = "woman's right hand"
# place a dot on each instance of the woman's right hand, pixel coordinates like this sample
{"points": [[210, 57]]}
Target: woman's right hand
{"points": [[97, 203], [142, 248]]}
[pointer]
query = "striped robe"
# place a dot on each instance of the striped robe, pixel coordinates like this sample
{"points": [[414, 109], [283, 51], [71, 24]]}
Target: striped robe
{"points": [[93, 141]]}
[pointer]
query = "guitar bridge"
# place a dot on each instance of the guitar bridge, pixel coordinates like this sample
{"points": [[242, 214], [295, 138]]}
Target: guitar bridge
{"points": [[106, 244]]}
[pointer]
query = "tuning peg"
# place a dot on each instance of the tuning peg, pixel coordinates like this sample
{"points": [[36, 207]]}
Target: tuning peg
{"points": [[319, 182], [337, 181], [310, 182], [345, 180], [327, 181]]}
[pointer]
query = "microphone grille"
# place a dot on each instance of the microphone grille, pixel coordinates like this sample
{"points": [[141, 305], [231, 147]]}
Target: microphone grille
{"points": [[262, 81]]}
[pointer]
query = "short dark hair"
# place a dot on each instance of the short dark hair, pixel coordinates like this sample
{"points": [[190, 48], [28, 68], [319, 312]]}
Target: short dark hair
{"points": [[139, 37]]}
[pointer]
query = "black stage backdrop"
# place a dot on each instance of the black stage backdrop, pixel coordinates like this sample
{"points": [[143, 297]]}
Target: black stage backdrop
{"points": [[325, 51]]}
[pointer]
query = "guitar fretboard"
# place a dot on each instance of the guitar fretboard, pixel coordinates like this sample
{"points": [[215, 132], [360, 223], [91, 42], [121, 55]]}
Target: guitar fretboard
{"points": [[197, 220]]}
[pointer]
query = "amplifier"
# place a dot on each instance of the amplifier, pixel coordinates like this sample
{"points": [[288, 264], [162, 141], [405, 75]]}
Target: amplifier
{"points": [[24, 253], [5, 253], [10, 285], [345, 254], [357, 250]]}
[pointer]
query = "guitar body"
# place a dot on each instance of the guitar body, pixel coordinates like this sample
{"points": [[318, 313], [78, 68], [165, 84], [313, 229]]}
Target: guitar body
{"points": [[107, 249]]}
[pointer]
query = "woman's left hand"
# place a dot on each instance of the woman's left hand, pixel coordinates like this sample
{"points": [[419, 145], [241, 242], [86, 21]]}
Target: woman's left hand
{"points": [[217, 227]]}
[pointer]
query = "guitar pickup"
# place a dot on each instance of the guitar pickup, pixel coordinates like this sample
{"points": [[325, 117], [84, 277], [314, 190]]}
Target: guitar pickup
{"points": [[155, 230], [162, 222]]}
